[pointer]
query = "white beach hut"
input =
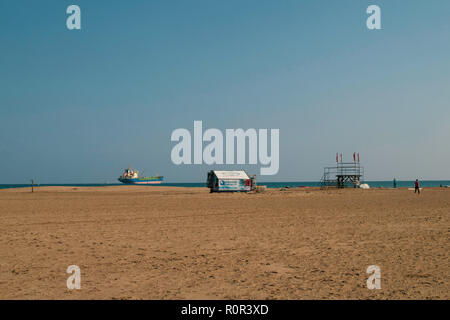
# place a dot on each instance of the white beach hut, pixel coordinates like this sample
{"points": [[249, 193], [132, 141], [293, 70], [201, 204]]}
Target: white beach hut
{"points": [[230, 181]]}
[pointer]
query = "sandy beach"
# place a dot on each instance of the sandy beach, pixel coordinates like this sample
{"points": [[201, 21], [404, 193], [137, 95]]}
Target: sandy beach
{"points": [[136, 242]]}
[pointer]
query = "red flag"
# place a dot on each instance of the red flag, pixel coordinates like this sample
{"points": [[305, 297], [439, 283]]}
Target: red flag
{"points": [[337, 160], [354, 157]]}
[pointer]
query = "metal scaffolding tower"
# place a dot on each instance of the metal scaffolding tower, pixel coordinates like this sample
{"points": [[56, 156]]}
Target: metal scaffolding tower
{"points": [[344, 174]]}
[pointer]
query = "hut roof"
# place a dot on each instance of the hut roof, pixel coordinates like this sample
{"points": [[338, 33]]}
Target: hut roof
{"points": [[231, 175]]}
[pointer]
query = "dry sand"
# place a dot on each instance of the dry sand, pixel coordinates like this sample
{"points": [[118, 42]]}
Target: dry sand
{"points": [[136, 242]]}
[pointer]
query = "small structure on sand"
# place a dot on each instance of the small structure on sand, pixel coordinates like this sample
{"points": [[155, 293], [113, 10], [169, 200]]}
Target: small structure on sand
{"points": [[230, 181], [343, 174]]}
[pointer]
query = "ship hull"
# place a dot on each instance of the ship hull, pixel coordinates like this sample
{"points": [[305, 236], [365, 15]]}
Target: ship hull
{"points": [[158, 180]]}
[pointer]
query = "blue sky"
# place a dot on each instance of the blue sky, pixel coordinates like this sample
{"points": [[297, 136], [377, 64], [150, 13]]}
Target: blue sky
{"points": [[79, 106]]}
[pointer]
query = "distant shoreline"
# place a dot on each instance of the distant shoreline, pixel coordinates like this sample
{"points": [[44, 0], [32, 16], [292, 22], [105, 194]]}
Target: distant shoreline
{"points": [[372, 184]]}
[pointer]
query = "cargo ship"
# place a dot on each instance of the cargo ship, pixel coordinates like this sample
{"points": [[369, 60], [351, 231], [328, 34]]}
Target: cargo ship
{"points": [[131, 176]]}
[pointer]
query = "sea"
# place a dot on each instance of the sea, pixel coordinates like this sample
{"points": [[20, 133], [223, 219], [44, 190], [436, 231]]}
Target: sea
{"points": [[372, 184]]}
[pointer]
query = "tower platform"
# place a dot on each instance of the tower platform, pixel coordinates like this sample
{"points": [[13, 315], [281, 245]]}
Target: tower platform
{"points": [[344, 174]]}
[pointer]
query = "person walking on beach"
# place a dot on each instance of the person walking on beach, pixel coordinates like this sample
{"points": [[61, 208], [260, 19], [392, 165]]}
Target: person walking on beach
{"points": [[416, 186]]}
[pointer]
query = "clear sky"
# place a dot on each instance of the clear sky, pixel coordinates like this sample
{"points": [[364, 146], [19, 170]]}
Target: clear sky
{"points": [[79, 106]]}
